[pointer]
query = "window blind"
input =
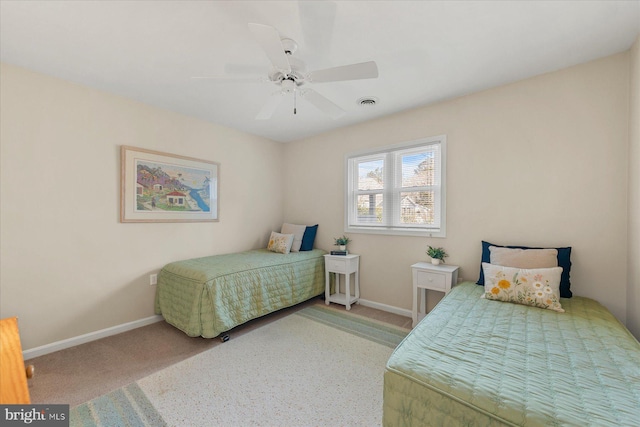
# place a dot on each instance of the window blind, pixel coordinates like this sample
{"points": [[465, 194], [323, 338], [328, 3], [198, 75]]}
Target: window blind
{"points": [[397, 189]]}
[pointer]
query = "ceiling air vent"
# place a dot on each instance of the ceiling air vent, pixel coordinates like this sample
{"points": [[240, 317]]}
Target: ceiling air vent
{"points": [[368, 101]]}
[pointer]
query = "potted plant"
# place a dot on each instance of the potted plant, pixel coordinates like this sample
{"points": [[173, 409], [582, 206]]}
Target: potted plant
{"points": [[437, 255], [342, 242]]}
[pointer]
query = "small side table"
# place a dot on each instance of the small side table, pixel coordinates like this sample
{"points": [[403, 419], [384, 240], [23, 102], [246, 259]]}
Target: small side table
{"points": [[433, 277], [342, 264]]}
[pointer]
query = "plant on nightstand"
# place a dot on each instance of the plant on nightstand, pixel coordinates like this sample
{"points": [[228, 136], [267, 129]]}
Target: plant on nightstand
{"points": [[437, 255], [342, 242]]}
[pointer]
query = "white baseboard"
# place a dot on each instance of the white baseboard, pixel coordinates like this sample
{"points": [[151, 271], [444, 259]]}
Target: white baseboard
{"points": [[92, 336], [385, 307], [103, 333]]}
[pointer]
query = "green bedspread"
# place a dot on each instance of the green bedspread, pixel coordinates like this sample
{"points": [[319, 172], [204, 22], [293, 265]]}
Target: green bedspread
{"points": [[210, 295], [475, 362]]}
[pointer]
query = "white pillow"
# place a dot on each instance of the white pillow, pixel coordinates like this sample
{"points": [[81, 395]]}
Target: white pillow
{"points": [[298, 234], [538, 287], [523, 258], [280, 243]]}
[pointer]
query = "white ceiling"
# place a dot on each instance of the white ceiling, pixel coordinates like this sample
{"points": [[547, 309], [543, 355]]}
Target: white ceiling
{"points": [[426, 51]]}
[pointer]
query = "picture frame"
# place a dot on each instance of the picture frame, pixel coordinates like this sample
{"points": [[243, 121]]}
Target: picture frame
{"points": [[163, 187]]}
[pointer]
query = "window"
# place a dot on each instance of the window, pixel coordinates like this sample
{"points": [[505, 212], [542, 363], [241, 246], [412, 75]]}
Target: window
{"points": [[398, 189]]}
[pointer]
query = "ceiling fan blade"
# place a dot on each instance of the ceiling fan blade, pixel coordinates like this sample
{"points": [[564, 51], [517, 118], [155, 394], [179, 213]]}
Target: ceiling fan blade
{"points": [[322, 103], [270, 107], [269, 39], [317, 19], [363, 70]]}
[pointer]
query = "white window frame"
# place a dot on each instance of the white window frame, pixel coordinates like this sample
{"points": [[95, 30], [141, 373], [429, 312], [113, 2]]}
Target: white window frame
{"points": [[391, 157]]}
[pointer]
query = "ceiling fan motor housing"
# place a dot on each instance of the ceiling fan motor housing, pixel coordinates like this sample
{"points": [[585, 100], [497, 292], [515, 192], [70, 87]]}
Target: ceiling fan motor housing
{"points": [[290, 46], [298, 73]]}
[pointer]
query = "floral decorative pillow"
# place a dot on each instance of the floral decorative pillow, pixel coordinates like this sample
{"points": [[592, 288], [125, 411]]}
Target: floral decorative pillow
{"points": [[280, 243], [538, 287]]}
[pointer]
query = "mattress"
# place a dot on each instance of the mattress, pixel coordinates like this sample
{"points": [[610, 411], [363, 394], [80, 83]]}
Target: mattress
{"points": [[476, 362], [210, 295]]}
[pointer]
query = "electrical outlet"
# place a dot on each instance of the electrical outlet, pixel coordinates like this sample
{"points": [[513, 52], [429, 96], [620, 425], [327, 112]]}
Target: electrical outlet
{"points": [[153, 279]]}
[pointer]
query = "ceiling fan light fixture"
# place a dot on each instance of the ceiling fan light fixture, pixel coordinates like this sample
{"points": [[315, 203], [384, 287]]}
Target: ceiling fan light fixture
{"points": [[288, 85]]}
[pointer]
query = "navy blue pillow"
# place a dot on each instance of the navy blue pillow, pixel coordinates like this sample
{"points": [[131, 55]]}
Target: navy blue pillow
{"points": [[564, 261], [309, 237]]}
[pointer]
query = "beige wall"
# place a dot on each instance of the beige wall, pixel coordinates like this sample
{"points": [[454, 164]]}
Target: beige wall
{"points": [[538, 162], [68, 266], [524, 163], [633, 299]]}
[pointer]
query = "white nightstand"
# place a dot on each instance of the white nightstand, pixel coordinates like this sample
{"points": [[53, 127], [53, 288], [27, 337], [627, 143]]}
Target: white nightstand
{"points": [[342, 264], [433, 277]]}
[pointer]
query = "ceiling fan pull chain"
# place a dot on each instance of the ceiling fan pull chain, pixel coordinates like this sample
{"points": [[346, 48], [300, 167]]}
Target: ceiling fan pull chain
{"points": [[294, 102]]}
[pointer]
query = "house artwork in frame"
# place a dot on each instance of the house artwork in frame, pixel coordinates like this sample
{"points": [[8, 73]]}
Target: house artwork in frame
{"points": [[162, 187]]}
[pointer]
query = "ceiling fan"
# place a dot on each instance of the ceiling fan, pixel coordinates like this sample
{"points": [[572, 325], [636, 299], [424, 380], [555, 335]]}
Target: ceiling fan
{"points": [[291, 76]]}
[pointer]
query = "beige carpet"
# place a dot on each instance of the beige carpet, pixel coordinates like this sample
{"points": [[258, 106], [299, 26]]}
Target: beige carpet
{"points": [[79, 374]]}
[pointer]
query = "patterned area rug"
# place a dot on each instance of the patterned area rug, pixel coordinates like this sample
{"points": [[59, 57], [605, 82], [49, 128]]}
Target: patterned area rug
{"points": [[380, 332], [127, 406], [318, 366]]}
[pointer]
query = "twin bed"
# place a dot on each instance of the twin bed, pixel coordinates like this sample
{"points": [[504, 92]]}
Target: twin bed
{"points": [[476, 362], [518, 361], [209, 296]]}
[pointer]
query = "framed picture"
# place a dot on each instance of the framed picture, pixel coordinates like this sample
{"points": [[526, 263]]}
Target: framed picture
{"points": [[162, 187]]}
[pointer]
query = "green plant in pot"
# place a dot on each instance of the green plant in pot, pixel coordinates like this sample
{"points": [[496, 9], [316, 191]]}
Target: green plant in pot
{"points": [[342, 242], [437, 255]]}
